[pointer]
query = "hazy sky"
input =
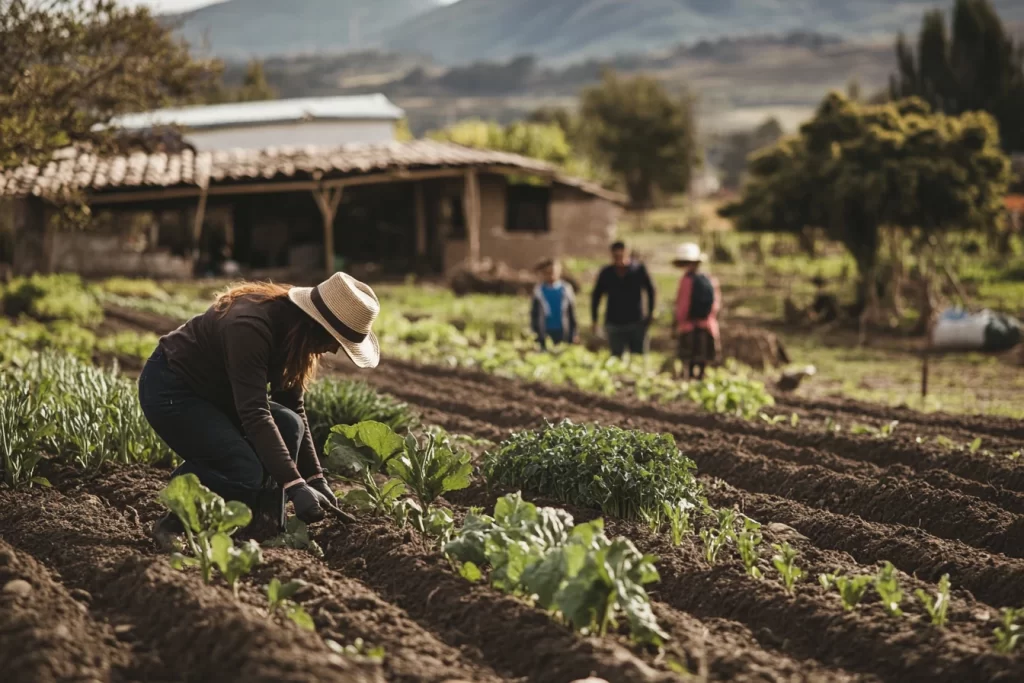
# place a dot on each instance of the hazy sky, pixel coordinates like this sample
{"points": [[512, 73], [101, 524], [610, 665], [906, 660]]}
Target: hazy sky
{"points": [[178, 5]]}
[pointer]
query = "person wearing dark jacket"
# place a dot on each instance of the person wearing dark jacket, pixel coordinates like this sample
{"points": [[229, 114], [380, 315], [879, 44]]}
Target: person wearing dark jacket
{"points": [[225, 391], [624, 282], [553, 307]]}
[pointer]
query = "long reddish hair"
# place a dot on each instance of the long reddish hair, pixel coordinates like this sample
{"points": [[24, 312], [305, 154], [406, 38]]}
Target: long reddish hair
{"points": [[301, 357]]}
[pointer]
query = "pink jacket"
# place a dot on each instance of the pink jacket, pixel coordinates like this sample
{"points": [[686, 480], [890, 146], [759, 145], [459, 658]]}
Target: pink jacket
{"points": [[710, 323]]}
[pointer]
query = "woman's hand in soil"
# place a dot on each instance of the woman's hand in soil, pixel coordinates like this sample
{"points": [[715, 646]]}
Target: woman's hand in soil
{"points": [[306, 502], [328, 501]]}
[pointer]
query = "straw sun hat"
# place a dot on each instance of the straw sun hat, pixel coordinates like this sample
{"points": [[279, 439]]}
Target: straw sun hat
{"points": [[688, 252], [346, 308]]}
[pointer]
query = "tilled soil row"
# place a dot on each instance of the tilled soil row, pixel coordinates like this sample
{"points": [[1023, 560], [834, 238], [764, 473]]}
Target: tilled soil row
{"points": [[179, 627], [947, 424], [46, 635], [994, 579], [427, 588], [909, 501]]}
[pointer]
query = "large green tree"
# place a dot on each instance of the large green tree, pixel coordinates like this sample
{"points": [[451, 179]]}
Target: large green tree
{"points": [[643, 134], [68, 65], [855, 169], [977, 66]]}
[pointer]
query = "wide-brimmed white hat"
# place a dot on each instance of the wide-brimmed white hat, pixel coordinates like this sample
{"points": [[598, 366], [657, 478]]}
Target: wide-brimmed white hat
{"points": [[689, 252], [346, 308]]}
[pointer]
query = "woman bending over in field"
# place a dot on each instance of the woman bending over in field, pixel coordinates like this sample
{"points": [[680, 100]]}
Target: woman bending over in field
{"points": [[225, 391]]}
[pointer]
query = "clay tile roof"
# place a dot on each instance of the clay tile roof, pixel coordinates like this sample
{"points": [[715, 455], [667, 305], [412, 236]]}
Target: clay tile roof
{"points": [[71, 170]]}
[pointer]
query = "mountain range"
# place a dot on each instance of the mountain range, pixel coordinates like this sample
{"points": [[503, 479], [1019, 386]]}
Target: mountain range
{"points": [[553, 30]]}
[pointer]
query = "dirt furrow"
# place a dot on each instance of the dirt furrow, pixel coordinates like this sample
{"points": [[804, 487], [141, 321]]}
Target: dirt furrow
{"points": [[465, 615], [994, 579], [46, 634], [195, 631], [889, 500]]}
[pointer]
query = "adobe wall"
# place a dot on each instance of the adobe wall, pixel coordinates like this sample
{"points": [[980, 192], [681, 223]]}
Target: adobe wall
{"points": [[581, 225]]}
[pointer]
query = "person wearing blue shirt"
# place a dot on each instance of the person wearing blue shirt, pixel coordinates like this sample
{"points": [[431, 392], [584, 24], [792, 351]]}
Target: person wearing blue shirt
{"points": [[553, 308]]}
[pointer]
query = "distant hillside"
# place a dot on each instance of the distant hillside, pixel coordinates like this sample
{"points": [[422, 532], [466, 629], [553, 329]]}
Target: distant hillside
{"points": [[246, 28], [569, 30]]}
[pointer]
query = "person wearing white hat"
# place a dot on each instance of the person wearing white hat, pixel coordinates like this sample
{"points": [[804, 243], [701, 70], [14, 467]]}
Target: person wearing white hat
{"points": [[698, 302], [205, 391]]}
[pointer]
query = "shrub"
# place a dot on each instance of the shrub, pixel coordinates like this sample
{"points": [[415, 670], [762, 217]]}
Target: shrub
{"points": [[626, 474], [141, 288], [331, 402]]}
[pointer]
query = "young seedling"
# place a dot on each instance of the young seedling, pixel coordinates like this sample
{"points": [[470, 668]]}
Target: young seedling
{"points": [[431, 469], [715, 539], [888, 588], [772, 419], [357, 650], [678, 516], [747, 541], [1008, 633], [975, 446], [296, 535], [936, 605], [209, 523], [851, 588], [785, 563], [279, 601]]}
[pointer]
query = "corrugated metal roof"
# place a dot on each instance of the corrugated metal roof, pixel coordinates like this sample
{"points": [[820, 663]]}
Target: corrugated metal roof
{"points": [[360, 107], [72, 170]]}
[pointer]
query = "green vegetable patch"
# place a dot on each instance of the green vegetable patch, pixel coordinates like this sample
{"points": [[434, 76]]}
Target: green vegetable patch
{"points": [[624, 473]]}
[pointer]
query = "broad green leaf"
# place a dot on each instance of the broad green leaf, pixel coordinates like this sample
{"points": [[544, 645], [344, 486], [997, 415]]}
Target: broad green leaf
{"points": [[363, 446], [470, 572], [235, 516], [512, 509], [182, 496], [391, 490], [545, 578], [360, 499], [287, 591], [221, 545], [274, 592], [301, 618], [179, 561], [41, 481]]}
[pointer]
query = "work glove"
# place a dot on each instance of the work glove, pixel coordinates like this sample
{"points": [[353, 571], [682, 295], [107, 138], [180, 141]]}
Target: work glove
{"points": [[328, 501], [306, 502]]}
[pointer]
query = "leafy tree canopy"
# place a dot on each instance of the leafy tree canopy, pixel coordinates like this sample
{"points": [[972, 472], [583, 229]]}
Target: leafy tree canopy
{"points": [[642, 133], [975, 67], [68, 65], [855, 168]]}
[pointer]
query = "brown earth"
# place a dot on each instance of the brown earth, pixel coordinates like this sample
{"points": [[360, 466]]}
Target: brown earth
{"points": [[846, 503]]}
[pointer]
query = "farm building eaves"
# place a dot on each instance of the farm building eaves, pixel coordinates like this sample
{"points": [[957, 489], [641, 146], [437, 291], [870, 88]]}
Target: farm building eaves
{"points": [[73, 170], [343, 108]]}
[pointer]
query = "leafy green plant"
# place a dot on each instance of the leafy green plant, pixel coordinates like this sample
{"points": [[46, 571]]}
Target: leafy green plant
{"points": [[1008, 633], [129, 344], [733, 395], [747, 541], [773, 419], [573, 571], [883, 432], [52, 297], [331, 402], [360, 452], [431, 468], [888, 588], [852, 589], [25, 427], [625, 474], [678, 517], [279, 601], [209, 523], [784, 561], [716, 538], [295, 536], [975, 446], [937, 604]]}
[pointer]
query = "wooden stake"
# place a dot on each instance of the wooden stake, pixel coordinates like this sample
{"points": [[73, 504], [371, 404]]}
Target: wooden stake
{"points": [[421, 222], [471, 208], [328, 201]]}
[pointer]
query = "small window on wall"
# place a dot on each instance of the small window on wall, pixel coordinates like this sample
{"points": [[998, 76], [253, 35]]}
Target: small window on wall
{"points": [[528, 208]]}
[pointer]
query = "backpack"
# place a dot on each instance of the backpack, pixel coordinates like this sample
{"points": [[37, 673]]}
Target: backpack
{"points": [[702, 297]]}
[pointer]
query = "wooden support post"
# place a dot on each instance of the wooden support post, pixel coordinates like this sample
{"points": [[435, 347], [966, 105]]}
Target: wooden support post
{"points": [[328, 201], [924, 374], [471, 208], [421, 222], [200, 217]]}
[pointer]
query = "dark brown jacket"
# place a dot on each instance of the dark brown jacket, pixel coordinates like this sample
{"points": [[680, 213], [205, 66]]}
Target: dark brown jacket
{"points": [[230, 358]]}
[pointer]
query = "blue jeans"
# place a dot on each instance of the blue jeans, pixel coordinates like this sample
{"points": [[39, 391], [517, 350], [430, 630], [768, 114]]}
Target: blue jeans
{"points": [[632, 337], [207, 439]]}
